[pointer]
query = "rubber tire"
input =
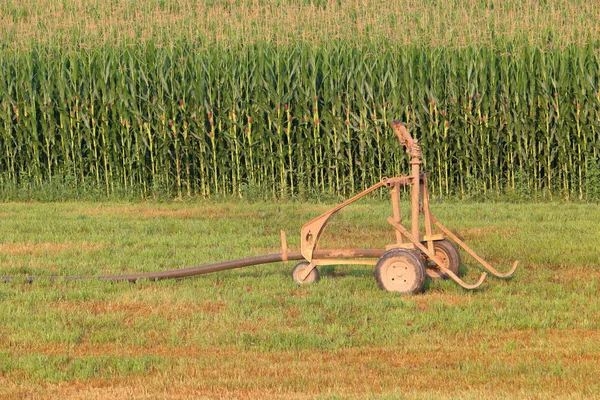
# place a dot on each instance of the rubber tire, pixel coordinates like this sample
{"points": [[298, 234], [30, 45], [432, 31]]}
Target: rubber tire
{"points": [[311, 278], [409, 262], [448, 251]]}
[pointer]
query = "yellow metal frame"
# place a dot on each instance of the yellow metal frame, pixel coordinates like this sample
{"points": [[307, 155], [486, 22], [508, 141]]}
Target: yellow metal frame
{"points": [[312, 231]]}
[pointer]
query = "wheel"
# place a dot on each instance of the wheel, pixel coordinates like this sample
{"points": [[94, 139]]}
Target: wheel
{"points": [[445, 250], [400, 270], [299, 271]]}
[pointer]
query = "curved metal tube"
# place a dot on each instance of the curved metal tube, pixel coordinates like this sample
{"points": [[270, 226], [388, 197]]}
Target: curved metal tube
{"points": [[506, 275], [462, 244], [206, 269], [310, 233], [435, 258], [460, 281], [171, 274]]}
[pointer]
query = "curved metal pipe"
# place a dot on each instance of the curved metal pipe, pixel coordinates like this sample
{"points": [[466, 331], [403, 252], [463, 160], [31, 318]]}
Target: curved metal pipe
{"points": [[206, 269], [484, 263], [435, 258]]}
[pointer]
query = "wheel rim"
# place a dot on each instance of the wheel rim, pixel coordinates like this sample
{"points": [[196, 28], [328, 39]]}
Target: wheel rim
{"points": [[442, 255], [399, 276], [443, 251], [299, 273]]}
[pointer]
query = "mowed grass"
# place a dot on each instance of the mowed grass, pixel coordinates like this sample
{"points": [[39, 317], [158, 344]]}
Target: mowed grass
{"points": [[252, 333]]}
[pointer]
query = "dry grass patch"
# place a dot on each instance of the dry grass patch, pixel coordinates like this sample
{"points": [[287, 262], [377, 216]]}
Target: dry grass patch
{"points": [[150, 212], [45, 249], [100, 389], [424, 367], [136, 309], [570, 275]]}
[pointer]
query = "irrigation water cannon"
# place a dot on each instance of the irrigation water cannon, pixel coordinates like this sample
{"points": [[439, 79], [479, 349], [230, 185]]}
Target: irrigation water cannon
{"points": [[400, 267]]}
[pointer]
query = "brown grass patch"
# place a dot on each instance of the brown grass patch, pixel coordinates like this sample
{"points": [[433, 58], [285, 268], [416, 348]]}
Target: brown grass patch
{"points": [[573, 275], [137, 388], [153, 212], [135, 309], [426, 366], [32, 264], [447, 349], [46, 248]]}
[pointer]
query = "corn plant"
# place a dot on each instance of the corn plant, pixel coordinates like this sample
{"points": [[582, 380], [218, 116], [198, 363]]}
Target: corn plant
{"points": [[188, 120]]}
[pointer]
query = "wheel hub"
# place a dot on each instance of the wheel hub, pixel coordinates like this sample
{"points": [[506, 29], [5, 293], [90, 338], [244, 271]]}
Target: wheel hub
{"points": [[441, 254], [399, 276], [299, 273]]}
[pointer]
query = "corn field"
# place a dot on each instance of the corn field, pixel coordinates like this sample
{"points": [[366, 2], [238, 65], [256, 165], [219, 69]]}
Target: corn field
{"points": [[192, 120]]}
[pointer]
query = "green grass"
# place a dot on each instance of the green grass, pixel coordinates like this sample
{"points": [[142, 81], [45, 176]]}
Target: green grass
{"points": [[252, 333]]}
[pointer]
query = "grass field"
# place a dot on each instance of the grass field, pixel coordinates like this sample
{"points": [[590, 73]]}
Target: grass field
{"points": [[238, 101], [252, 333]]}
